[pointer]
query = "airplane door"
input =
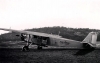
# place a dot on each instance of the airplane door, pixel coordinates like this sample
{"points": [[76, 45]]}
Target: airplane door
{"points": [[46, 41]]}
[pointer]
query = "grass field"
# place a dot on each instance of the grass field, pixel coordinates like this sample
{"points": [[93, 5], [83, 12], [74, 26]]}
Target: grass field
{"points": [[15, 55]]}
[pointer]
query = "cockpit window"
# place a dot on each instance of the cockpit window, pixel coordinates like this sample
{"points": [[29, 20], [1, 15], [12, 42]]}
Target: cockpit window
{"points": [[98, 37]]}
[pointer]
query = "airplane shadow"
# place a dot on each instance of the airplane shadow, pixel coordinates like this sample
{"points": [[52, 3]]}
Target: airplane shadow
{"points": [[83, 52], [52, 49], [77, 52]]}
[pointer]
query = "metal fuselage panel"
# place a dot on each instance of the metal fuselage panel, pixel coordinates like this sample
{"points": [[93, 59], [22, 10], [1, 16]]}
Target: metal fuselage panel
{"points": [[61, 42]]}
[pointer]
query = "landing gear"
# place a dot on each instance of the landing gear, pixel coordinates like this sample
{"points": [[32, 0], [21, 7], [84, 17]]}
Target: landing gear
{"points": [[39, 47], [25, 48]]}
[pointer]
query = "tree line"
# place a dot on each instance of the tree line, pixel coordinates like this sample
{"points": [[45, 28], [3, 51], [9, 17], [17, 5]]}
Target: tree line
{"points": [[66, 32]]}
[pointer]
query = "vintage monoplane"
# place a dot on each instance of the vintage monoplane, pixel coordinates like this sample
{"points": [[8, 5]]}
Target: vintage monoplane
{"points": [[45, 40]]}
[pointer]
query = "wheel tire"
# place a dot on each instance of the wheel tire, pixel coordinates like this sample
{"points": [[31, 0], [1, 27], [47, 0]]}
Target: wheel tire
{"points": [[39, 48], [25, 48]]}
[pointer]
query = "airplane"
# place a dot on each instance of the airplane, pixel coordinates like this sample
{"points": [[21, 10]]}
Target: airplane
{"points": [[45, 40]]}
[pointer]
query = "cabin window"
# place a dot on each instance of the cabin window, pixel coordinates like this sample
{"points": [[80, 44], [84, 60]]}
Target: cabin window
{"points": [[44, 38], [61, 42], [35, 36], [98, 37], [55, 42]]}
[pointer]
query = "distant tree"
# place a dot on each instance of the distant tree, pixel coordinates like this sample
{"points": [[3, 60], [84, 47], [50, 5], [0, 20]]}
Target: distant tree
{"points": [[66, 32]]}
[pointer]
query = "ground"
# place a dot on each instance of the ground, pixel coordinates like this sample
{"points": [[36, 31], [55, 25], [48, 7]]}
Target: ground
{"points": [[47, 55]]}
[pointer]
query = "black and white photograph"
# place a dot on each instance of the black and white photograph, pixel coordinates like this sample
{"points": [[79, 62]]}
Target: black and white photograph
{"points": [[49, 31]]}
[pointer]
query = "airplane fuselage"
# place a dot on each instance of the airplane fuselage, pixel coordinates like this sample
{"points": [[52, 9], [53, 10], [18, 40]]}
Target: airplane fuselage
{"points": [[55, 41]]}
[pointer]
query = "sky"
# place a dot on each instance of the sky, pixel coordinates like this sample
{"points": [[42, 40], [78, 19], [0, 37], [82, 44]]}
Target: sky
{"points": [[27, 14]]}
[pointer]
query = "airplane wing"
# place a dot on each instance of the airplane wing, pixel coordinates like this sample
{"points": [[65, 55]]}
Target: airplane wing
{"points": [[31, 33]]}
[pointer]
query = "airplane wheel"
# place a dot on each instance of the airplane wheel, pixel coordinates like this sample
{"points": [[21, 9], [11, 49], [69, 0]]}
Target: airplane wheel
{"points": [[25, 48], [39, 47]]}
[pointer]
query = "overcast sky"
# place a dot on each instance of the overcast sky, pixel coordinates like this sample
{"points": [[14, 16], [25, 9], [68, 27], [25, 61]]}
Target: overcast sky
{"points": [[24, 14]]}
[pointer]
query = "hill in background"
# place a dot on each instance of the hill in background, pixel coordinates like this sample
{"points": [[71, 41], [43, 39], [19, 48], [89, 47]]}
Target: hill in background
{"points": [[70, 33]]}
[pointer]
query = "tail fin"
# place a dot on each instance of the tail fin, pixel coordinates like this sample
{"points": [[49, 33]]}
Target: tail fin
{"points": [[89, 43], [91, 38]]}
